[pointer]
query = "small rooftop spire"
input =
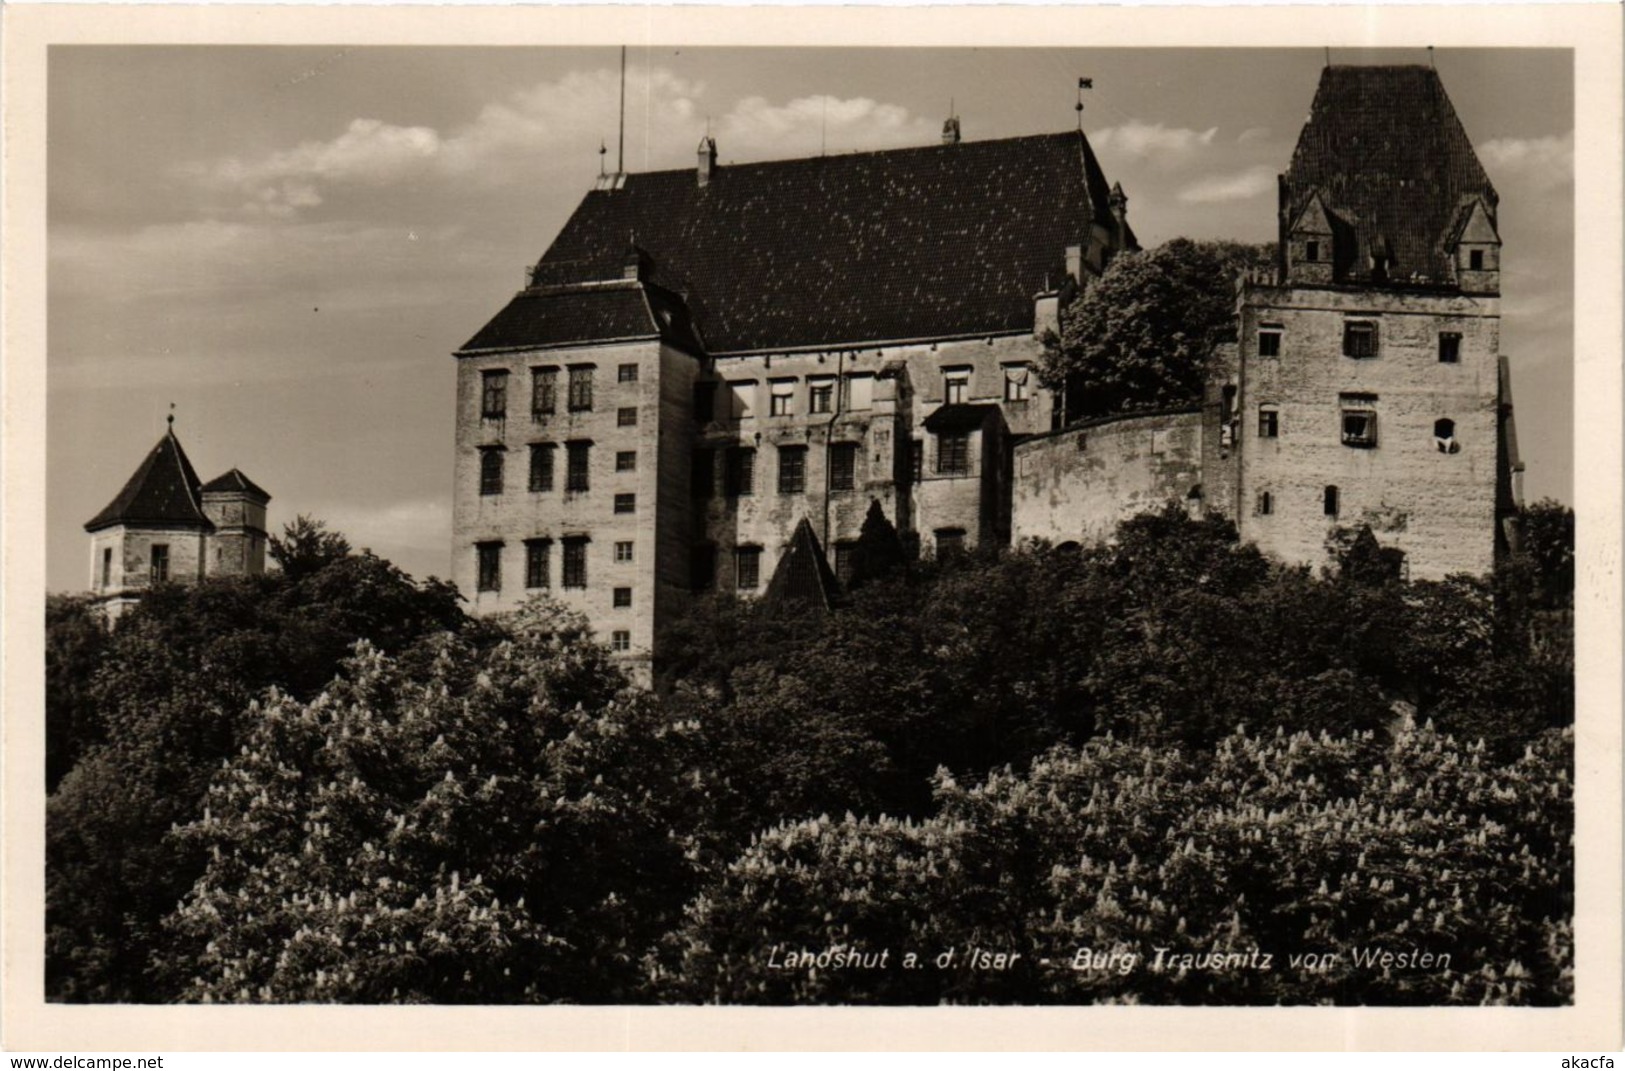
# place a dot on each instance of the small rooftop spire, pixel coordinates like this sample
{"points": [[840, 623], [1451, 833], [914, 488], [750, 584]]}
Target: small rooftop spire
{"points": [[171, 415]]}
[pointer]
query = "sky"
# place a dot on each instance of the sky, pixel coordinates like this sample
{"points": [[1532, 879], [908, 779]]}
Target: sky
{"points": [[288, 243]]}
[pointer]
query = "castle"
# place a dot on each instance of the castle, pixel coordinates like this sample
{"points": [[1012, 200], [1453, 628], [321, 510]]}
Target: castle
{"points": [[710, 367], [168, 526]]}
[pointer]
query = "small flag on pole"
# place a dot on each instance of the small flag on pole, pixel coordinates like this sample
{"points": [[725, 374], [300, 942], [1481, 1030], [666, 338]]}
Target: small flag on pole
{"points": [[1086, 83]]}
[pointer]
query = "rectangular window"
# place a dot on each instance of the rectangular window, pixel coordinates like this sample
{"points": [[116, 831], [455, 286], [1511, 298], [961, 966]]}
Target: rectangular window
{"points": [[1449, 347], [747, 568], [953, 453], [743, 399], [620, 640], [494, 395], [1269, 422], [627, 373], [860, 392], [626, 416], [1475, 260], [626, 461], [490, 566], [916, 459], [160, 563], [537, 554], [581, 390], [705, 402], [821, 396], [107, 567], [1269, 340], [956, 386], [843, 466], [1359, 428], [702, 474], [1311, 251], [741, 475], [845, 555], [782, 398], [702, 567], [491, 470], [577, 457], [1359, 339], [1266, 503], [541, 466], [622, 598], [950, 541], [1329, 500], [792, 470], [626, 502], [544, 391], [575, 563], [623, 551], [1017, 383]]}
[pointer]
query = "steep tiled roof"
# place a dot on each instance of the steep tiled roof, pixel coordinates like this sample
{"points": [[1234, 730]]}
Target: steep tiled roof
{"points": [[234, 480], [803, 574], [163, 491], [936, 242], [595, 312], [1388, 154]]}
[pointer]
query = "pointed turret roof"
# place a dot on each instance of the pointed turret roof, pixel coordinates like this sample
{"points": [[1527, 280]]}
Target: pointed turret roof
{"points": [[163, 491], [803, 574], [1385, 150], [234, 480]]}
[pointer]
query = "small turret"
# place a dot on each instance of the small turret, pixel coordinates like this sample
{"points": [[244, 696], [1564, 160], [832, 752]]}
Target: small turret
{"points": [[707, 154]]}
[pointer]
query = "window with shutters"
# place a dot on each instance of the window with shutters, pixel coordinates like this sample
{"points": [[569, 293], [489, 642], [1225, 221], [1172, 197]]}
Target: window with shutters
{"points": [[578, 455], [494, 395], [575, 563], [747, 568], [792, 470], [491, 470], [489, 561], [741, 475], [843, 466], [537, 555], [859, 388], [581, 389], [544, 391], [541, 466]]}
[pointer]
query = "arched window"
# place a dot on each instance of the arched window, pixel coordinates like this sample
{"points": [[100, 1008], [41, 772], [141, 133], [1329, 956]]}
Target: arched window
{"points": [[1444, 436]]}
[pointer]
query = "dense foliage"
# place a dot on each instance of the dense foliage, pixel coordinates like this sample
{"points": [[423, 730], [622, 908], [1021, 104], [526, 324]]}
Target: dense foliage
{"points": [[1169, 741], [1139, 336]]}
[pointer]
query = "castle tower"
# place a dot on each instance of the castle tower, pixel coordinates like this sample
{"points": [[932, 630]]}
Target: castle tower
{"points": [[1367, 385], [167, 527], [235, 505]]}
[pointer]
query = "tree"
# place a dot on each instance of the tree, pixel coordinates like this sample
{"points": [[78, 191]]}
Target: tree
{"points": [[496, 826], [75, 641], [306, 547], [1139, 337], [879, 550], [1547, 530]]}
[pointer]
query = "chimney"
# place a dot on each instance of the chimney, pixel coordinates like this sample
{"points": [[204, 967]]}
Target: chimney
{"points": [[708, 159], [950, 130], [1074, 263], [636, 265]]}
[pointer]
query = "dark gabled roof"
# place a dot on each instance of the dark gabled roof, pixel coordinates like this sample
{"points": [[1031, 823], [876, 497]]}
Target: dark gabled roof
{"points": [[163, 491], [622, 310], [803, 575], [234, 480], [936, 242], [1384, 147], [961, 416]]}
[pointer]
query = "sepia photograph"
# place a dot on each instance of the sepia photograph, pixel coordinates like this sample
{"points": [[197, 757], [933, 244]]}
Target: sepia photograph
{"points": [[641, 524]]}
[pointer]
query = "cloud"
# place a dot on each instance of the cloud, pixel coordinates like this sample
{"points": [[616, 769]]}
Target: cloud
{"points": [[1253, 182], [1253, 134], [550, 129], [1136, 138], [389, 528], [1543, 164], [756, 128]]}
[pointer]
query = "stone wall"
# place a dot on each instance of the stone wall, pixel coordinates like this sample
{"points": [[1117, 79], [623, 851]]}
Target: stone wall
{"points": [[1077, 484], [1437, 504]]}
